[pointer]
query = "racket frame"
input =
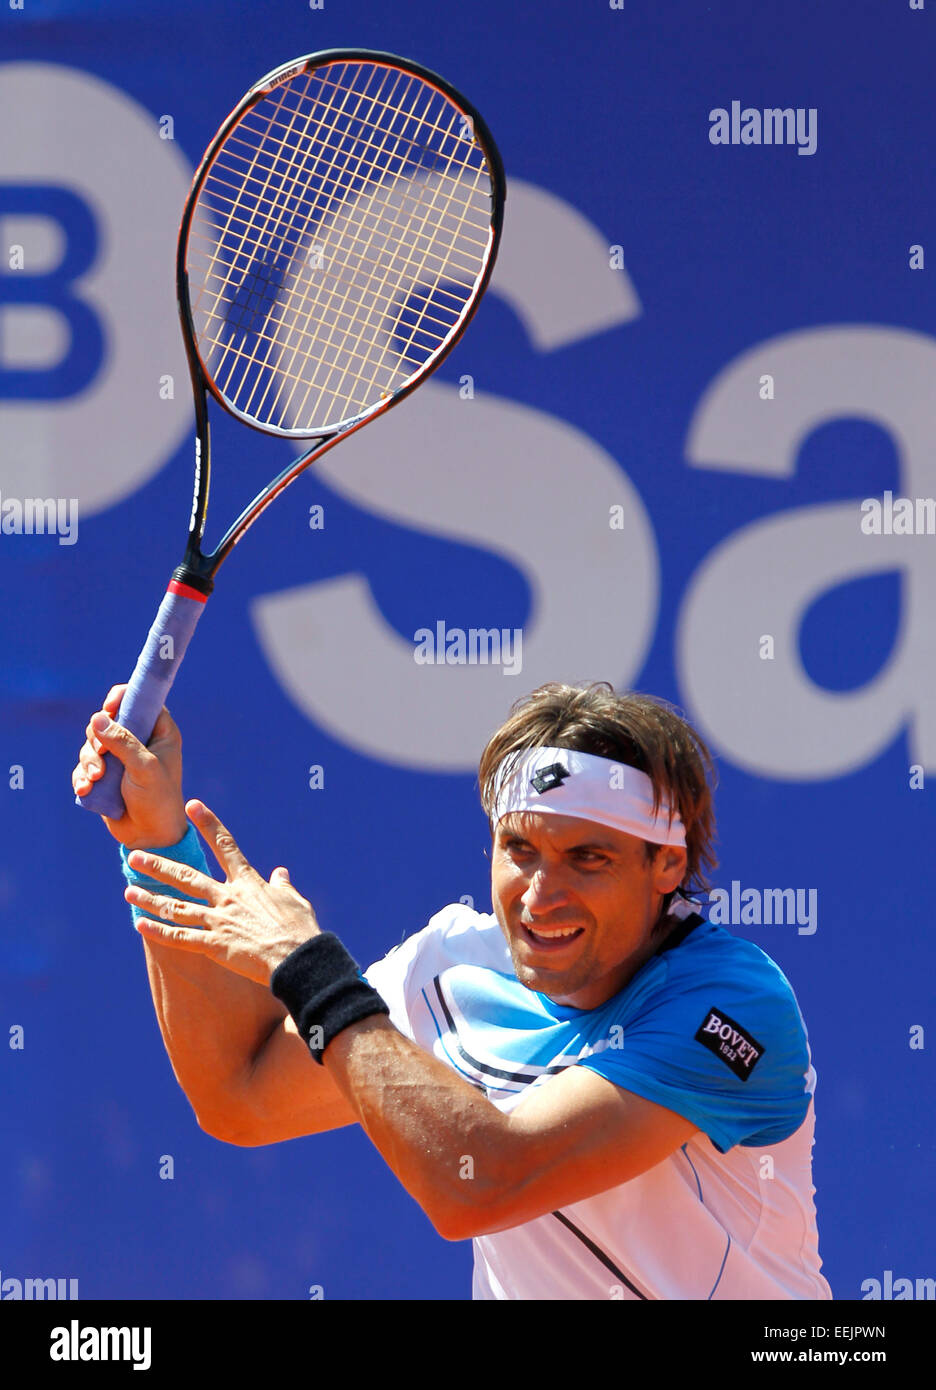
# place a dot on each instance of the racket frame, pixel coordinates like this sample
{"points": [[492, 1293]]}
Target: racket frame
{"points": [[197, 570], [193, 580]]}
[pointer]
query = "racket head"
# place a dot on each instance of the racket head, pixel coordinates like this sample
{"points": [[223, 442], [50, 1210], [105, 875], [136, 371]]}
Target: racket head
{"points": [[338, 236]]}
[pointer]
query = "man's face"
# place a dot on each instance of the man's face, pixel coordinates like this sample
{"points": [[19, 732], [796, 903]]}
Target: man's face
{"points": [[552, 875]]}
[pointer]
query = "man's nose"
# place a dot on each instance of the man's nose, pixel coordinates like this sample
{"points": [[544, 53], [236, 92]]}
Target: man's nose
{"points": [[546, 889]]}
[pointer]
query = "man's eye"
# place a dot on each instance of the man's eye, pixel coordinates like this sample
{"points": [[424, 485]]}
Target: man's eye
{"points": [[518, 849]]}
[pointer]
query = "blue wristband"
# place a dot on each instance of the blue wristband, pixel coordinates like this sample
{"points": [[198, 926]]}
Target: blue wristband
{"points": [[188, 851]]}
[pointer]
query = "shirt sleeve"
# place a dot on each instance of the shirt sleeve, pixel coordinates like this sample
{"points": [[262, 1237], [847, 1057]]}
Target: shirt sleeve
{"points": [[389, 978], [731, 1057], [398, 976], [188, 851]]}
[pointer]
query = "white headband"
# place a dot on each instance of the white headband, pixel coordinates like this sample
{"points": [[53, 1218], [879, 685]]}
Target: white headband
{"points": [[563, 782]]}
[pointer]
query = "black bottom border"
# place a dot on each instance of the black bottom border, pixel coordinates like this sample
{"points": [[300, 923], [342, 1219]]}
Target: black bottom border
{"points": [[697, 1337]]}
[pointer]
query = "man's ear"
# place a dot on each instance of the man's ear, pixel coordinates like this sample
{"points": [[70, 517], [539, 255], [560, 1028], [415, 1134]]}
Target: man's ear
{"points": [[669, 868]]}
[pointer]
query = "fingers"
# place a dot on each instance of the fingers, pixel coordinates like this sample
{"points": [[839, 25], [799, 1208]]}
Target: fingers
{"points": [[279, 878], [222, 842], [90, 767], [165, 730], [93, 742], [174, 910], [113, 698], [181, 876], [183, 937], [105, 736]]}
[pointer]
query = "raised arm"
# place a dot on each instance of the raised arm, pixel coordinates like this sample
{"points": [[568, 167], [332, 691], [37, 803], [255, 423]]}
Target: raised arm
{"points": [[577, 1135], [217, 1026]]}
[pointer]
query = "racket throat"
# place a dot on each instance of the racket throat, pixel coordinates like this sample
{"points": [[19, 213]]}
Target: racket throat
{"points": [[190, 578]]}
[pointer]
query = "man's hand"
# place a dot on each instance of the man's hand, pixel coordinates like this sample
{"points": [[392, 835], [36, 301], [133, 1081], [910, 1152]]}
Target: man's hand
{"points": [[249, 925], [152, 779]]}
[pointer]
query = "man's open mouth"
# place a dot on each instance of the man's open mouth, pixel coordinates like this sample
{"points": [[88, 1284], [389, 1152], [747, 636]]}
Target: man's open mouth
{"points": [[550, 938]]}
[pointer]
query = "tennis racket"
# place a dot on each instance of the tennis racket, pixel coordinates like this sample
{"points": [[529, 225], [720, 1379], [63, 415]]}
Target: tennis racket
{"points": [[337, 238]]}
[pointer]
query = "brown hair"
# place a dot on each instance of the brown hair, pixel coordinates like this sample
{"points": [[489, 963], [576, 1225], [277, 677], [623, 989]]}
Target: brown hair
{"points": [[642, 730]]}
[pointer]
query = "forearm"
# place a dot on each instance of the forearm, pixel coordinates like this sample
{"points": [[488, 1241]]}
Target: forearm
{"points": [[449, 1146], [213, 1023]]}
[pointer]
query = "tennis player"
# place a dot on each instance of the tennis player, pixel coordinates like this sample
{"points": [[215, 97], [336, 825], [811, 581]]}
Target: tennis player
{"points": [[610, 1095]]}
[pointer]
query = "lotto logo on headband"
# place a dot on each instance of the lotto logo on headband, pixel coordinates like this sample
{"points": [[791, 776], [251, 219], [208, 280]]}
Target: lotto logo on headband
{"points": [[549, 777]]}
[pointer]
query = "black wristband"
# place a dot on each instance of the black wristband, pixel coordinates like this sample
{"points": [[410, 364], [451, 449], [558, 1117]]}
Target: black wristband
{"points": [[324, 990]]}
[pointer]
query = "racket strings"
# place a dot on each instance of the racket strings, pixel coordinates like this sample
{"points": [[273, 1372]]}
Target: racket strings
{"points": [[386, 290], [227, 236], [424, 124], [461, 257], [289, 181], [443, 323], [331, 347], [380, 295], [480, 243], [241, 178], [337, 321], [417, 152], [421, 318], [468, 260], [358, 140], [287, 374], [289, 143], [368, 181], [470, 257]]}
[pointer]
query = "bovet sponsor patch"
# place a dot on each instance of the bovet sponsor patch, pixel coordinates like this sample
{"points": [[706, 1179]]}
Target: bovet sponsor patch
{"points": [[729, 1041]]}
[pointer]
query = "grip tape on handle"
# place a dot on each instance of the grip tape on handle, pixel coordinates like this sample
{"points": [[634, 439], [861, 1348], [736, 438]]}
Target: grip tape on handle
{"points": [[149, 686]]}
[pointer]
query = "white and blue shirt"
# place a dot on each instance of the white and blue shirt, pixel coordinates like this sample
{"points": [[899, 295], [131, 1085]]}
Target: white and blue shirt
{"points": [[709, 1027]]}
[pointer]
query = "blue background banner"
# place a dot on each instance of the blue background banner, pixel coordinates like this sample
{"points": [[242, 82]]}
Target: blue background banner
{"points": [[648, 454]]}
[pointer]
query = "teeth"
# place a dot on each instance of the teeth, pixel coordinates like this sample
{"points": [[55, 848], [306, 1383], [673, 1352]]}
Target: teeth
{"points": [[557, 931]]}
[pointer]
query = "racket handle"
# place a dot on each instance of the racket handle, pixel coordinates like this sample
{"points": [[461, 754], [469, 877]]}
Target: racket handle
{"points": [[149, 686]]}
